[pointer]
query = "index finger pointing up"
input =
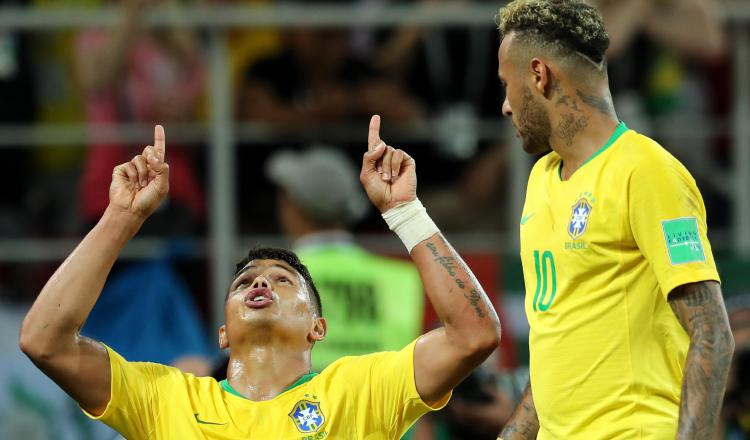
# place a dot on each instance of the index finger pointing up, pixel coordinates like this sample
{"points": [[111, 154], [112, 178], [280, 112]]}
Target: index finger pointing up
{"points": [[160, 144], [373, 137]]}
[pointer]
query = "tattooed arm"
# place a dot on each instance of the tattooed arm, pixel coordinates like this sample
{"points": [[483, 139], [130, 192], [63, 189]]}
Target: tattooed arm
{"points": [[700, 309], [471, 328], [523, 424]]}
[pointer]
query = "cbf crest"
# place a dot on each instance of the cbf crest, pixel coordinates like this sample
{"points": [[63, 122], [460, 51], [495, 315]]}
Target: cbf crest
{"points": [[307, 416], [579, 218]]}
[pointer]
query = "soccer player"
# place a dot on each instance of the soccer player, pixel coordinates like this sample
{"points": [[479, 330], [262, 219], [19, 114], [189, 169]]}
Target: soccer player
{"points": [[629, 335], [273, 319]]}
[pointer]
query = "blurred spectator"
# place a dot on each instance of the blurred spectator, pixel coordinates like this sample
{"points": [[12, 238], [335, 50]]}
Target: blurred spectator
{"points": [[136, 75], [663, 55], [690, 28], [371, 303], [18, 95], [478, 409], [174, 333], [736, 411], [453, 70], [478, 201], [32, 407], [316, 79]]}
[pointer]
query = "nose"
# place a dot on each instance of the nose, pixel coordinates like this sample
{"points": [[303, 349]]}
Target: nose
{"points": [[260, 281], [507, 112]]}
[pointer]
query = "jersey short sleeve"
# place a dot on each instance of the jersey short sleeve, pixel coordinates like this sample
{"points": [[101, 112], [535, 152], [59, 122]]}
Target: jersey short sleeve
{"points": [[668, 221], [387, 392], [134, 400]]}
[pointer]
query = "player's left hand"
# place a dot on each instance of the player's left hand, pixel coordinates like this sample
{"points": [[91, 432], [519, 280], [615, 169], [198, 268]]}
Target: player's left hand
{"points": [[388, 174]]}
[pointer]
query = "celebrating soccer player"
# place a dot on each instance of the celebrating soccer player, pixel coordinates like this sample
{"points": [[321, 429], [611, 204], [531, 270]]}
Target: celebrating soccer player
{"points": [[629, 335], [273, 319]]}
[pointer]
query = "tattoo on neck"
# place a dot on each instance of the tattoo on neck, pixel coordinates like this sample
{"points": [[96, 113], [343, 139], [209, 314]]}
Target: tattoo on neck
{"points": [[568, 102], [601, 104], [554, 86], [570, 126]]}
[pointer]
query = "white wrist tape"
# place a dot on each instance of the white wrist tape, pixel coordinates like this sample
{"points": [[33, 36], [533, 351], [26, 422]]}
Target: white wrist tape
{"points": [[411, 223]]}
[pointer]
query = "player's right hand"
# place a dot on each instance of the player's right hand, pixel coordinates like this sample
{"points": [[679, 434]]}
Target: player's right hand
{"points": [[388, 174], [139, 186]]}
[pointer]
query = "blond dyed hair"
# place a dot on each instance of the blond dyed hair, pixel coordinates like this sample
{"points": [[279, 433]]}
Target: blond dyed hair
{"points": [[570, 29]]}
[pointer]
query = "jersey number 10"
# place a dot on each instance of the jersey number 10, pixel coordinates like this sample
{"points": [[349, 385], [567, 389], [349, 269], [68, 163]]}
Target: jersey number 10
{"points": [[544, 266]]}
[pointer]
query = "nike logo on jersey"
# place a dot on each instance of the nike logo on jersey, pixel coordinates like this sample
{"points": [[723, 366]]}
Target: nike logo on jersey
{"points": [[526, 218], [203, 422]]}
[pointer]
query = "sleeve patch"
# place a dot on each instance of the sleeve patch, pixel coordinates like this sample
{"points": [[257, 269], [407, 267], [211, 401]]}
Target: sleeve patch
{"points": [[683, 240]]}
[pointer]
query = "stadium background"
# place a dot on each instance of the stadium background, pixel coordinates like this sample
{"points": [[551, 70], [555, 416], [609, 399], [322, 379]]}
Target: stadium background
{"points": [[439, 60]]}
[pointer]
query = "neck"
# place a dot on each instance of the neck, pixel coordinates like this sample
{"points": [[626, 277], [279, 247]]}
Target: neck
{"points": [[582, 124], [262, 372]]}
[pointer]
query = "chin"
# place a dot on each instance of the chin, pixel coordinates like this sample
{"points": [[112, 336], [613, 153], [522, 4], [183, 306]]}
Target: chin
{"points": [[257, 318], [532, 147], [535, 150]]}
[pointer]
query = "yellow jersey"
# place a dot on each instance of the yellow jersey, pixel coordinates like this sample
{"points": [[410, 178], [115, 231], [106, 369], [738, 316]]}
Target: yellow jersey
{"points": [[601, 252], [364, 397]]}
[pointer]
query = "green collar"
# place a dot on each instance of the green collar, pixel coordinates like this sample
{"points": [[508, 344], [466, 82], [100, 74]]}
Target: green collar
{"points": [[621, 128], [306, 378]]}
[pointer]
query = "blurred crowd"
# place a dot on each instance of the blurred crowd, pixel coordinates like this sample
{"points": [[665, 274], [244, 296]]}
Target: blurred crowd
{"points": [[669, 66]]}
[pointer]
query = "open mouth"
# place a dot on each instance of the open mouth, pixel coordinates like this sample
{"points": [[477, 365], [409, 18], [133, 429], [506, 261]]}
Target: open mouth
{"points": [[259, 298]]}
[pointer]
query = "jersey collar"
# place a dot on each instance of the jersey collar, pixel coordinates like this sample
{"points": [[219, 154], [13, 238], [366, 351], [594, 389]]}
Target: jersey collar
{"points": [[304, 379], [621, 128]]}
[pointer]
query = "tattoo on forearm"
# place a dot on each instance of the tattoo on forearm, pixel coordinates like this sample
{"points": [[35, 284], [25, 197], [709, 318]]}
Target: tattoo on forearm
{"points": [[432, 248], [700, 310], [474, 297], [524, 421], [448, 264]]}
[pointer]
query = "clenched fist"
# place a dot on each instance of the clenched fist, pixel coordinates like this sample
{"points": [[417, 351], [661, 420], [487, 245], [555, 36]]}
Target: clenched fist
{"points": [[388, 174], [139, 186]]}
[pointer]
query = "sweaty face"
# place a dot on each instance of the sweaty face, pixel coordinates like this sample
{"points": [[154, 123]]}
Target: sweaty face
{"points": [[269, 294], [527, 112]]}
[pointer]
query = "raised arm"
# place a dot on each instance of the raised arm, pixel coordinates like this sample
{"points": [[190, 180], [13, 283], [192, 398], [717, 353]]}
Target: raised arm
{"points": [[523, 424], [50, 332], [471, 328], [700, 309]]}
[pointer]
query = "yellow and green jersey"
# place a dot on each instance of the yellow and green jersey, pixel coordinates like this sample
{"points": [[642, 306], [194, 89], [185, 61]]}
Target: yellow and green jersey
{"points": [[372, 397], [371, 303], [601, 251]]}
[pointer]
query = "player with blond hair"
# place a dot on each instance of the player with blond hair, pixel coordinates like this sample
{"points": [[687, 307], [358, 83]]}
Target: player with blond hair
{"points": [[629, 336]]}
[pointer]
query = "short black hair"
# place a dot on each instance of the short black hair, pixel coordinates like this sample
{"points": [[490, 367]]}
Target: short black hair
{"points": [[289, 257], [573, 24]]}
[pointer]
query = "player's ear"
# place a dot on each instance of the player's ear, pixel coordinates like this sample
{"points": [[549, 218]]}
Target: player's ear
{"points": [[223, 340], [541, 75], [318, 330]]}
